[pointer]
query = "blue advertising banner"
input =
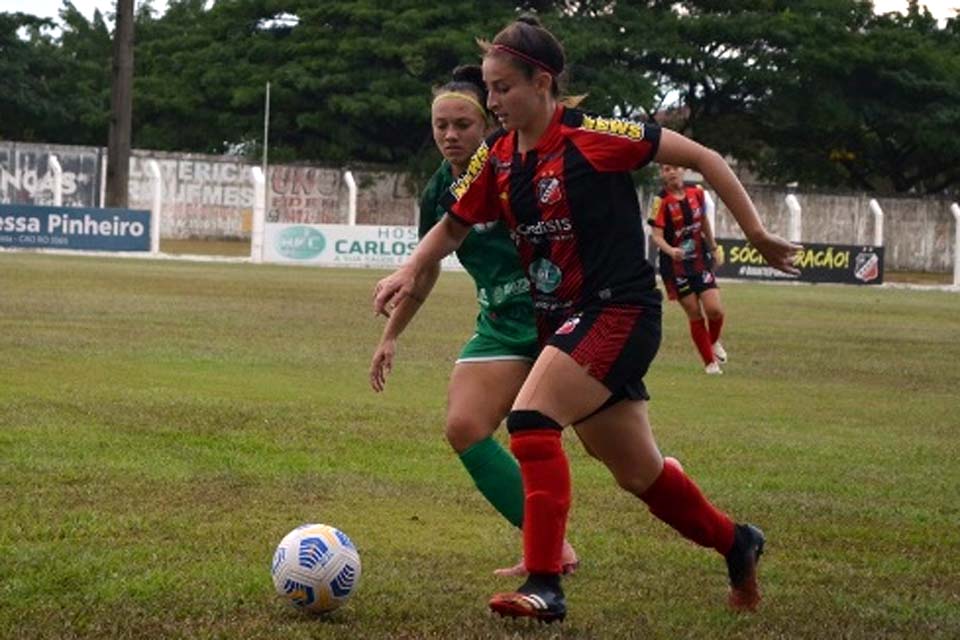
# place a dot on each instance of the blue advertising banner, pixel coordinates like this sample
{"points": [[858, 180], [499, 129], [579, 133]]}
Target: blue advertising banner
{"points": [[81, 229]]}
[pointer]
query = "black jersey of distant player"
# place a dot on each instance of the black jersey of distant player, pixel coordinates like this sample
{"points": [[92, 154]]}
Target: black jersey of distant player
{"points": [[571, 206], [681, 219]]}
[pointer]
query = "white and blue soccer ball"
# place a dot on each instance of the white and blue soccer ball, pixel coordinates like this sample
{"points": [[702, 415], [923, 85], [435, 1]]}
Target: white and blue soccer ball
{"points": [[316, 568]]}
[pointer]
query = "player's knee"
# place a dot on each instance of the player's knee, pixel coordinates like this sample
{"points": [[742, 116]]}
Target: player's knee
{"points": [[714, 313], [463, 431], [534, 436], [526, 420]]}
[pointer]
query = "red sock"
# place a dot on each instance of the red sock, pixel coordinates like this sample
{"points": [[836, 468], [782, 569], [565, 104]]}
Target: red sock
{"points": [[676, 499], [546, 486], [716, 324], [701, 338]]}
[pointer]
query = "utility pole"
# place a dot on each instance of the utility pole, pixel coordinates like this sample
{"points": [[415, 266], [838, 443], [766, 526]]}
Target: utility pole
{"points": [[121, 107]]}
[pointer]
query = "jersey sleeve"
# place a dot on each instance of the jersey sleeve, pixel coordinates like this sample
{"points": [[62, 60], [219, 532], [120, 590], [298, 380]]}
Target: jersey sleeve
{"points": [[472, 199], [614, 144], [428, 205], [658, 209]]}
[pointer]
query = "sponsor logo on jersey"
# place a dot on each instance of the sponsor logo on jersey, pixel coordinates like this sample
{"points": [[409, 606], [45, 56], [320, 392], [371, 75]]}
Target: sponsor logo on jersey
{"points": [[546, 276], [548, 190], [614, 126], [544, 228], [474, 169], [503, 292]]}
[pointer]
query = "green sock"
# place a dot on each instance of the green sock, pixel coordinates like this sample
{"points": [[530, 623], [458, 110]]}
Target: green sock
{"points": [[497, 475]]}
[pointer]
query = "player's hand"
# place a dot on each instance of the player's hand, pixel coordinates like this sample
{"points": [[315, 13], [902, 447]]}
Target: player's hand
{"points": [[391, 290], [718, 256], [382, 364], [677, 253], [779, 253]]}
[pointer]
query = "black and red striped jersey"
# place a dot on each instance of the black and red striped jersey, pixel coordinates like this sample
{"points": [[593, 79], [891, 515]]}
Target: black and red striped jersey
{"points": [[572, 208], [681, 218]]}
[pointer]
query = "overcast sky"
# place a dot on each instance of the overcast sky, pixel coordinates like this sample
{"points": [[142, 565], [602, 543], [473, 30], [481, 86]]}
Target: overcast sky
{"points": [[49, 8]]}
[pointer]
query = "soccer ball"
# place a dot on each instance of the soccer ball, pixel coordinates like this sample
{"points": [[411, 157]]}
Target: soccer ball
{"points": [[316, 568]]}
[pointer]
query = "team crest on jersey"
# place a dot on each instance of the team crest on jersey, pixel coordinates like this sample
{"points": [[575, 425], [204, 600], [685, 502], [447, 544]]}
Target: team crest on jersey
{"points": [[568, 326], [548, 190]]}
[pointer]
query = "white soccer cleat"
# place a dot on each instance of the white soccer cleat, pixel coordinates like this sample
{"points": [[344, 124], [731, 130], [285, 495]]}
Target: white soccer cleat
{"points": [[719, 352], [713, 369]]}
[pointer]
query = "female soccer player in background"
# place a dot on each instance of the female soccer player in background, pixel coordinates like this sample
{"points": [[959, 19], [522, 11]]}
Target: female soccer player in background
{"points": [[688, 252], [495, 361], [561, 181]]}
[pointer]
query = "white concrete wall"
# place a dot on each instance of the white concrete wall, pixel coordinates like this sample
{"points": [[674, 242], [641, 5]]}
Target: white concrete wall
{"points": [[212, 197]]}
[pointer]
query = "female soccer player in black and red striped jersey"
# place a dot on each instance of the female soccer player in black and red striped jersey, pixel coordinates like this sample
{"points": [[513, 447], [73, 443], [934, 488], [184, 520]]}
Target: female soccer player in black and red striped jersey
{"points": [[688, 253], [561, 181]]}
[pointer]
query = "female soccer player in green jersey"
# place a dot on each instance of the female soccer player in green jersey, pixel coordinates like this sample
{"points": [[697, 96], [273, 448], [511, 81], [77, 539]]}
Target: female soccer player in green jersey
{"points": [[495, 361]]}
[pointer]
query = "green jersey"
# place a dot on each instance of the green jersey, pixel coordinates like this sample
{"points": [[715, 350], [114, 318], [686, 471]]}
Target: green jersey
{"points": [[490, 257]]}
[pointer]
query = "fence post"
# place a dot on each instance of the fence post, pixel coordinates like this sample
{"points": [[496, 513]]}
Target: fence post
{"points": [[794, 231], [156, 203], [955, 210], [57, 171], [103, 178], [877, 222], [711, 210], [352, 198], [259, 214]]}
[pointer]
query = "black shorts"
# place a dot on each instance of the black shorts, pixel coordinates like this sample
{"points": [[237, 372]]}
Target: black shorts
{"points": [[679, 286], [615, 343]]}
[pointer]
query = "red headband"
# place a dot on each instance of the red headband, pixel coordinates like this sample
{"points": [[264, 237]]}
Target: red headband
{"points": [[526, 58]]}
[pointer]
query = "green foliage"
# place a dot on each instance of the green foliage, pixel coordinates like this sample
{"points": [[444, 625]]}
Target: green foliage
{"points": [[818, 91], [870, 108], [54, 89]]}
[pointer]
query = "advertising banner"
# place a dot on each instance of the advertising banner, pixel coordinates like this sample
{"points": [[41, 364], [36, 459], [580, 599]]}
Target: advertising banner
{"points": [[337, 245], [846, 264], [82, 229]]}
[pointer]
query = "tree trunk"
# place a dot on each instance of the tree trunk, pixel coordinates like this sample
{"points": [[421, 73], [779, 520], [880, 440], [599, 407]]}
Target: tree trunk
{"points": [[121, 108]]}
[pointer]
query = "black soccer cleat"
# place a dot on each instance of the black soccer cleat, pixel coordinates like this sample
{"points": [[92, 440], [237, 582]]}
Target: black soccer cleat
{"points": [[742, 560], [540, 598]]}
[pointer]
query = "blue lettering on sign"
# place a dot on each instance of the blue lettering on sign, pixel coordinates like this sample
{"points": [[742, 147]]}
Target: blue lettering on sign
{"points": [[77, 228]]}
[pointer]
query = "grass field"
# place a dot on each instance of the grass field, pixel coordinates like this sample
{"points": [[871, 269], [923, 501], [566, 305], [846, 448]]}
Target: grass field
{"points": [[164, 424]]}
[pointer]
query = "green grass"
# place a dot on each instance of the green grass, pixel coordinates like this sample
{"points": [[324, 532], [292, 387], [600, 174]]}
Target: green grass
{"points": [[163, 425]]}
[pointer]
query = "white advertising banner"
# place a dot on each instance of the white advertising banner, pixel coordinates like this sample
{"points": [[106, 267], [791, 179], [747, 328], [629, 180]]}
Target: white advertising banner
{"points": [[337, 245]]}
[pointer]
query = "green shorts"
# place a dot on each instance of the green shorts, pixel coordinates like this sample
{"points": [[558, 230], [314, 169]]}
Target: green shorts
{"points": [[501, 339]]}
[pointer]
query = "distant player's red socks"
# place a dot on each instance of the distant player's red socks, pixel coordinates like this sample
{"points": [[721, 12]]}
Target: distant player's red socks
{"points": [[676, 499], [546, 484], [716, 325], [701, 338]]}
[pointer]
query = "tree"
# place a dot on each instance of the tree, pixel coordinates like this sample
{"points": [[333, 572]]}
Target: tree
{"points": [[27, 65], [871, 109], [121, 107]]}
